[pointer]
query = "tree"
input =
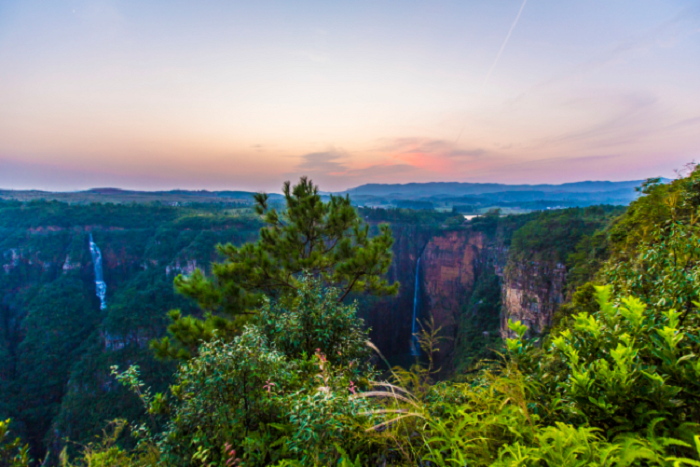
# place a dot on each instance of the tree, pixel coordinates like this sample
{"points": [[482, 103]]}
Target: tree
{"points": [[282, 388], [327, 240], [656, 247]]}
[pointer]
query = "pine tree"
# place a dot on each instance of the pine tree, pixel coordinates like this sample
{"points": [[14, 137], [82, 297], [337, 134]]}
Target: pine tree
{"points": [[326, 240]]}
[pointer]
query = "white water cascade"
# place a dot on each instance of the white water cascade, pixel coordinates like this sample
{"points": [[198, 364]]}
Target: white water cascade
{"points": [[100, 285], [415, 346]]}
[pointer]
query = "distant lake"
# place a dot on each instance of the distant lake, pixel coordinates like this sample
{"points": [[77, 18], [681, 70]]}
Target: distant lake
{"points": [[471, 216]]}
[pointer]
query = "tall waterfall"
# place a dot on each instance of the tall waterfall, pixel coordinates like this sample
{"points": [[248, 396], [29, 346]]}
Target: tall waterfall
{"points": [[100, 285], [415, 346]]}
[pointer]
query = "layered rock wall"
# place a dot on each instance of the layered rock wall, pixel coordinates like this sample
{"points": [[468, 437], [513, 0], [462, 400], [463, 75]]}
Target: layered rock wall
{"points": [[531, 293], [450, 262], [390, 318]]}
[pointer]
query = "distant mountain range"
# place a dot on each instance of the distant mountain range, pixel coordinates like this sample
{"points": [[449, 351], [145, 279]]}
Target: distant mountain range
{"points": [[119, 196], [460, 197], [473, 198], [459, 189]]}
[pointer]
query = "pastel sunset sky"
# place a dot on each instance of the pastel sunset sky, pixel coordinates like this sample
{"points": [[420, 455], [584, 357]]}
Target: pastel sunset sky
{"points": [[245, 94]]}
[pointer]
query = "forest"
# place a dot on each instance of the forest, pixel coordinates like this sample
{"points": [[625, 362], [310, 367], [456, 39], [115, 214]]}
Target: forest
{"points": [[234, 337]]}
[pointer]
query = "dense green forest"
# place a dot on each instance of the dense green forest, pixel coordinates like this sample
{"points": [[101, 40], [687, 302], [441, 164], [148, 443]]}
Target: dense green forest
{"points": [[56, 344], [279, 369]]}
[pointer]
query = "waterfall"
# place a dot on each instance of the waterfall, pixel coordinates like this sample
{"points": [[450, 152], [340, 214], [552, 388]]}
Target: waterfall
{"points": [[415, 346], [100, 285]]}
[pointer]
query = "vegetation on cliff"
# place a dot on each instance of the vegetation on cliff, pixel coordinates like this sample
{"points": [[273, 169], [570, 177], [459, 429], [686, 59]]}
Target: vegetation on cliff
{"points": [[615, 383], [56, 345]]}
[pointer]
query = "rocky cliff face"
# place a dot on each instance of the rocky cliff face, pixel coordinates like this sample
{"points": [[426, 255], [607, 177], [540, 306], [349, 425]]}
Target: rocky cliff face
{"points": [[531, 293], [450, 262], [390, 318]]}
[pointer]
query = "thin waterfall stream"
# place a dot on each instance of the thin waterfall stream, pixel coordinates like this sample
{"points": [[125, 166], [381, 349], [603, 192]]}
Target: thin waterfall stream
{"points": [[100, 285], [415, 345]]}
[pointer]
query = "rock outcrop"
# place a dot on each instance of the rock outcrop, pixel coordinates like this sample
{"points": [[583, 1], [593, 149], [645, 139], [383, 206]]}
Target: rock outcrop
{"points": [[531, 293], [451, 262], [390, 318]]}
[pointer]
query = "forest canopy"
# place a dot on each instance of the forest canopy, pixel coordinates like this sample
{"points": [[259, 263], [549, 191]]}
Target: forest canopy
{"points": [[614, 382]]}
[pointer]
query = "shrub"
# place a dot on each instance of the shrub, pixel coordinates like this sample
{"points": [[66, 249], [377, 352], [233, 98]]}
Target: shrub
{"points": [[316, 321], [282, 390], [12, 453]]}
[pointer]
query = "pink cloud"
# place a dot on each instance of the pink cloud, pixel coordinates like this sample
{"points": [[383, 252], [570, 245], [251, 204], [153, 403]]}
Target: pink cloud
{"points": [[433, 155]]}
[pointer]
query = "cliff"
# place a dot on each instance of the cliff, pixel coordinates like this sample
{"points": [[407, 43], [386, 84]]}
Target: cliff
{"points": [[56, 344], [390, 318], [541, 254], [531, 293], [450, 264]]}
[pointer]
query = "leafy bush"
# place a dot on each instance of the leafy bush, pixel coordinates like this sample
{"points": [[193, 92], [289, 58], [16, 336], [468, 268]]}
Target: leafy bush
{"points": [[316, 320], [228, 391], [282, 389], [619, 369], [12, 453], [620, 387]]}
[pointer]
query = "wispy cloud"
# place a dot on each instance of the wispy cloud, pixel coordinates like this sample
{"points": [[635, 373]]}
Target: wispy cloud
{"points": [[393, 156], [666, 34], [688, 122], [332, 169], [325, 163], [435, 155], [630, 116], [381, 171]]}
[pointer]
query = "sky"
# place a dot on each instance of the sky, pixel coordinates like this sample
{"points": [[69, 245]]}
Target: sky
{"points": [[246, 94]]}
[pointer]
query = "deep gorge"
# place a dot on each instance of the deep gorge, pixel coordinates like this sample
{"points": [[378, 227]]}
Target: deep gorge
{"points": [[58, 342]]}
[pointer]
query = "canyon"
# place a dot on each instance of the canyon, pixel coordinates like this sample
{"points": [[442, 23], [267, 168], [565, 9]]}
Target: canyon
{"points": [[71, 309], [451, 263]]}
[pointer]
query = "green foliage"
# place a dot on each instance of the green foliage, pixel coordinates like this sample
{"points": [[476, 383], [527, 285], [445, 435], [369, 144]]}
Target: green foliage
{"points": [[618, 388], [650, 210], [12, 453], [400, 215], [479, 338], [413, 204], [314, 321], [55, 336], [325, 239], [105, 453], [56, 214], [267, 394], [582, 301], [625, 366], [655, 247], [56, 345], [553, 235], [664, 270], [588, 257]]}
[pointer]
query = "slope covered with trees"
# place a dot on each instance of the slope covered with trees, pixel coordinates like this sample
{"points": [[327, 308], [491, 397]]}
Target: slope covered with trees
{"points": [[56, 344], [613, 386], [614, 382]]}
